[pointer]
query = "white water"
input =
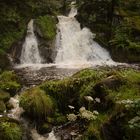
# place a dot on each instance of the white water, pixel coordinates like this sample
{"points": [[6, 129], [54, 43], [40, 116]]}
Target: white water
{"points": [[76, 46], [16, 111], [37, 136], [30, 53]]}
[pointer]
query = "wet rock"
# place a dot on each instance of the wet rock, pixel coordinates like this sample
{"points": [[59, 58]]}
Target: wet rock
{"points": [[15, 51], [111, 82], [45, 128]]}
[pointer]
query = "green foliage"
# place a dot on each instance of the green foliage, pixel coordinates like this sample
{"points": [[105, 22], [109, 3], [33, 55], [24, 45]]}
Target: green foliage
{"points": [[5, 96], [10, 131], [67, 91], [45, 128], [2, 107], [9, 82], [47, 26], [130, 89], [36, 103]]}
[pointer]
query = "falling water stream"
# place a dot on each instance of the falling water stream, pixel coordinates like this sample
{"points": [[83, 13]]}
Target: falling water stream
{"points": [[30, 53], [76, 46]]}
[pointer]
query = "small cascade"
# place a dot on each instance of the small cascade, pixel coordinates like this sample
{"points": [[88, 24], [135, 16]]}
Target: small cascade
{"points": [[30, 53], [37, 136], [75, 45], [16, 111]]}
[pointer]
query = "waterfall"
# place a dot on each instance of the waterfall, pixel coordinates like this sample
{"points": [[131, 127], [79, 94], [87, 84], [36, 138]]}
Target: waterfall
{"points": [[30, 53], [76, 45]]}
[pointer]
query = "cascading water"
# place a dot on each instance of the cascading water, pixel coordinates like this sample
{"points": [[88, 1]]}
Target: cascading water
{"points": [[30, 53], [75, 46], [37, 136]]}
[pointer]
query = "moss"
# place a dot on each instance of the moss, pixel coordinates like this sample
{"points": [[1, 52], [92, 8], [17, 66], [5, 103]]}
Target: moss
{"points": [[123, 120], [71, 91], [45, 128], [67, 91], [9, 82], [47, 26], [115, 119], [130, 88], [5, 96], [36, 103], [2, 107], [10, 130]]}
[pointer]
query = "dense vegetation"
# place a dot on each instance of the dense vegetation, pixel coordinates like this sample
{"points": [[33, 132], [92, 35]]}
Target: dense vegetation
{"points": [[115, 96]]}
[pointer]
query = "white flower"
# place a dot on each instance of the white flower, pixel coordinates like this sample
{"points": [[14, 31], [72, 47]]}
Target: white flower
{"points": [[88, 115], [72, 117], [97, 100], [71, 107], [82, 109], [85, 114], [96, 112], [88, 98]]}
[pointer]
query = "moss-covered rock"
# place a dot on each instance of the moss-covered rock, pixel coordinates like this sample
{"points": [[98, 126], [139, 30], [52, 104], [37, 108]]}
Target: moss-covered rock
{"points": [[37, 104], [124, 122], [65, 92], [45, 128], [2, 107], [47, 26], [117, 120], [9, 82], [45, 29], [5, 96], [115, 96], [10, 129]]}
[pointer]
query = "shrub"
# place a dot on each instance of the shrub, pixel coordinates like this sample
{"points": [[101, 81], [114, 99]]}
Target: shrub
{"points": [[9, 82], [10, 130], [36, 103]]}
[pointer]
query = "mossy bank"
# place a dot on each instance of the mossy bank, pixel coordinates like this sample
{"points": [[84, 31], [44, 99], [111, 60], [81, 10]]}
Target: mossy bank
{"points": [[113, 93]]}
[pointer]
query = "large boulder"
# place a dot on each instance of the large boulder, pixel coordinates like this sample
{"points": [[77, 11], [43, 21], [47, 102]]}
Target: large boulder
{"points": [[45, 29]]}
